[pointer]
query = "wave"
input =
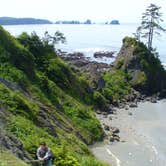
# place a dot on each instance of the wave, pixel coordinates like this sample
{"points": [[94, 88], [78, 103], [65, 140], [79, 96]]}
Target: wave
{"points": [[88, 50], [118, 162]]}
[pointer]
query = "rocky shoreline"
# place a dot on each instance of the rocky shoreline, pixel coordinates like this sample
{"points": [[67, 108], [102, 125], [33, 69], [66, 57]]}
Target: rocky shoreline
{"points": [[137, 130], [111, 133], [93, 70]]}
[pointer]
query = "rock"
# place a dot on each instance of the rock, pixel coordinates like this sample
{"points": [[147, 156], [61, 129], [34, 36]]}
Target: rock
{"points": [[106, 127], [110, 118], [105, 116], [153, 100], [111, 139], [104, 113], [115, 130], [115, 22], [98, 112], [130, 113], [132, 105], [109, 109], [102, 54], [126, 108], [123, 141], [116, 138]]}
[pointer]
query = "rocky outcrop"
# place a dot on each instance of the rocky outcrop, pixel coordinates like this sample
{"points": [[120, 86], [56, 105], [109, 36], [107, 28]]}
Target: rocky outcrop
{"points": [[9, 141], [115, 22], [102, 54], [112, 133], [146, 72], [92, 69]]}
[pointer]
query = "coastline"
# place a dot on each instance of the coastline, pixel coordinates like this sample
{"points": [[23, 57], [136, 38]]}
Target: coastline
{"points": [[138, 139]]}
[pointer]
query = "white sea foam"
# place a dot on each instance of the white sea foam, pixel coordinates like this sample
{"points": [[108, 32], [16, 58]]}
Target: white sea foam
{"points": [[154, 150], [118, 162], [88, 50]]}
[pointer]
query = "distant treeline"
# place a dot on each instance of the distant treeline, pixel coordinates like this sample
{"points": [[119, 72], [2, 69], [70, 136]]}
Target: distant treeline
{"points": [[73, 22], [114, 22], [19, 21]]}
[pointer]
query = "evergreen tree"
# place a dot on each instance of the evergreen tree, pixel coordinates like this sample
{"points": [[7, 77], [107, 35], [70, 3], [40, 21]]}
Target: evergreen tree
{"points": [[150, 24]]}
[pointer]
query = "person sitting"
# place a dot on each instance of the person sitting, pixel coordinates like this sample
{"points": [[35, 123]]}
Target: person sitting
{"points": [[44, 154]]}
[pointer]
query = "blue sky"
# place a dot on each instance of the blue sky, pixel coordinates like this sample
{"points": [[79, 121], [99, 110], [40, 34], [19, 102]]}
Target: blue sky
{"points": [[97, 10]]}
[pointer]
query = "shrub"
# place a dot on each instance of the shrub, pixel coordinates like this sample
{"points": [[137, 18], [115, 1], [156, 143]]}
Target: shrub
{"points": [[99, 100]]}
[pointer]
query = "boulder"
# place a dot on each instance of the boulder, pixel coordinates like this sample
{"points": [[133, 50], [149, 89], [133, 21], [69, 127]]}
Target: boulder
{"points": [[117, 138], [132, 105], [106, 127], [110, 117], [111, 139], [115, 130], [153, 100], [130, 113]]}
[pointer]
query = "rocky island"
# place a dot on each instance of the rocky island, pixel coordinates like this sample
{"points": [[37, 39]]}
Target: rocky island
{"points": [[115, 22]]}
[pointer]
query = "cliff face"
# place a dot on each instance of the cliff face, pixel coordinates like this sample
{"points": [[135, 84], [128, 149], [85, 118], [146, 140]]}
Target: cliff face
{"points": [[147, 73]]}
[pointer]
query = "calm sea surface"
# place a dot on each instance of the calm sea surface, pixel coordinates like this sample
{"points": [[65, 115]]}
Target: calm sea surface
{"points": [[90, 38]]}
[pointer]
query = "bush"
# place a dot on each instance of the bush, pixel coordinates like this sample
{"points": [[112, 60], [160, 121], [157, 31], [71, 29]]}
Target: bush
{"points": [[99, 100], [16, 54], [116, 85]]}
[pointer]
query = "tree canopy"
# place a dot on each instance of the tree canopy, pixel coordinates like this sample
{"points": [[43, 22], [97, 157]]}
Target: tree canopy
{"points": [[150, 25]]}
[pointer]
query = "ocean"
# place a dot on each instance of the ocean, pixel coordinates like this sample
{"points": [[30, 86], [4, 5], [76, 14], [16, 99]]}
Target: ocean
{"points": [[90, 38]]}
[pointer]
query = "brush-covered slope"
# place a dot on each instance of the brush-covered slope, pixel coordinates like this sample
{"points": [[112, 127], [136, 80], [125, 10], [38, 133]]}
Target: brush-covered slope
{"points": [[42, 99]]}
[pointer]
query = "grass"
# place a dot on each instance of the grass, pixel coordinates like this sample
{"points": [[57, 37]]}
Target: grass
{"points": [[8, 159]]}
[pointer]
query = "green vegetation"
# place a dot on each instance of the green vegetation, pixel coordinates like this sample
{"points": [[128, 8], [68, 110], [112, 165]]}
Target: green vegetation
{"points": [[150, 25], [116, 85], [46, 100], [7, 159], [142, 65]]}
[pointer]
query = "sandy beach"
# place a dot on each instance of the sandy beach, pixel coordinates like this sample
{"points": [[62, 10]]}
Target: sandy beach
{"points": [[142, 136]]}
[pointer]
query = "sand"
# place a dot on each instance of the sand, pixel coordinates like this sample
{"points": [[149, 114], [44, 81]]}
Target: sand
{"points": [[142, 136]]}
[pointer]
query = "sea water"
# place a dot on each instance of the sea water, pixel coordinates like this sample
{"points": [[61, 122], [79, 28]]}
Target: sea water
{"points": [[90, 38]]}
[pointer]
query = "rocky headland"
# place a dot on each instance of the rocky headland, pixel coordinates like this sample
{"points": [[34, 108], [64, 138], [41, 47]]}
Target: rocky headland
{"points": [[142, 69]]}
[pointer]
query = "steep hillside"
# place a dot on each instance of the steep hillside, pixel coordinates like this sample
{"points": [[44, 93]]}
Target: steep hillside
{"points": [[42, 99]]}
